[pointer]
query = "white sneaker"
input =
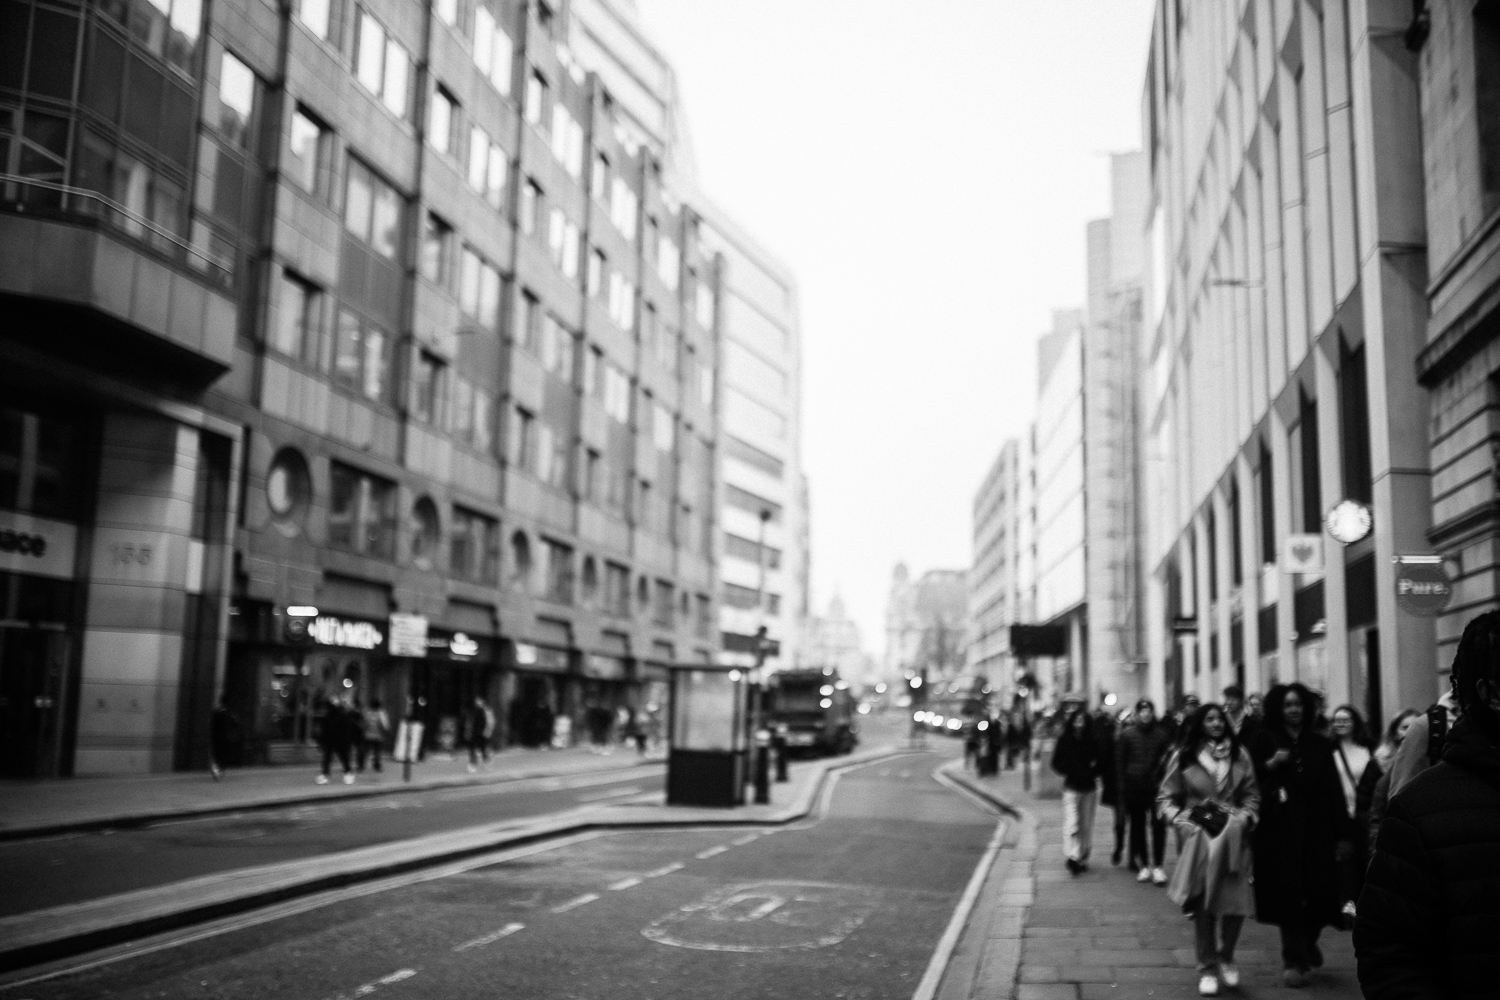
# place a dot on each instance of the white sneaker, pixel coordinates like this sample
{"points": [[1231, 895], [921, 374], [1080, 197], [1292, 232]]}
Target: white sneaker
{"points": [[1158, 876], [1208, 985], [348, 778], [321, 779], [1230, 974]]}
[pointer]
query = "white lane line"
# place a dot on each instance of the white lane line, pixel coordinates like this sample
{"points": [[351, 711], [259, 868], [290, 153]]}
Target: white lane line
{"points": [[490, 938], [394, 977], [576, 902], [667, 870], [748, 838], [933, 977], [613, 793], [626, 883], [711, 852]]}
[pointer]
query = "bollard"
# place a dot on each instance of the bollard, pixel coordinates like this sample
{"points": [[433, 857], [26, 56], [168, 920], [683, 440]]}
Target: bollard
{"points": [[778, 742], [762, 767]]}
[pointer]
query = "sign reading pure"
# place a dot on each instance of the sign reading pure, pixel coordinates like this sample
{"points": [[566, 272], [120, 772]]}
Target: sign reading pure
{"points": [[327, 630], [1422, 586]]}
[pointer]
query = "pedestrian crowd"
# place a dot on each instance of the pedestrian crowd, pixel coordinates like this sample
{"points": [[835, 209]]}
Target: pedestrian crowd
{"points": [[1305, 820]]}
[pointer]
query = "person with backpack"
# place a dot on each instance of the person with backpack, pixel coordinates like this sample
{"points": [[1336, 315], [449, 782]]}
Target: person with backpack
{"points": [[1427, 919], [375, 726]]}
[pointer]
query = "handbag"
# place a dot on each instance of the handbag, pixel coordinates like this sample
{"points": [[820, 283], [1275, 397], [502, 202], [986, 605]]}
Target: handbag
{"points": [[1211, 816]]}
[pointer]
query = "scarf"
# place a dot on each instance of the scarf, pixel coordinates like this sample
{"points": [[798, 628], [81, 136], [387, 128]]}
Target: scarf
{"points": [[1214, 759]]}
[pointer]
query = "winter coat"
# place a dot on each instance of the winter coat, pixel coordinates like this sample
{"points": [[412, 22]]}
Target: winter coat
{"points": [[1077, 760], [1140, 754], [1108, 731], [1429, 914], [1214, 868], [1302, 818]]}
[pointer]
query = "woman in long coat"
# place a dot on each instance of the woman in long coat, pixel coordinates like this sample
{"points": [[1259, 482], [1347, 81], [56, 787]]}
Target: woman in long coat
{"points": [[1212, 772], [1302, 815]]}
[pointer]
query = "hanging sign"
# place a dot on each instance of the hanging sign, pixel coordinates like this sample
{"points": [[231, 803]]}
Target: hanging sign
{"points": [[408, 635], [1422, 587], [1302, 554], [326, 630]]}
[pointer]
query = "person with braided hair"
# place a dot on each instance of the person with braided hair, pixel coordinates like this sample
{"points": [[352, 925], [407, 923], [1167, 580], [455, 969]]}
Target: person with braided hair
{"points": [[1428, 913]]}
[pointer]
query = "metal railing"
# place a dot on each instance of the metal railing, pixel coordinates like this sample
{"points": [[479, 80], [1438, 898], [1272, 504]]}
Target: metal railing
{"points": [[108, 208]]}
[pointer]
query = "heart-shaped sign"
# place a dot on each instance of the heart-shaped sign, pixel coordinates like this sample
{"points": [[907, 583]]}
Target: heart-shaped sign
{"points": [[1303, 552]]}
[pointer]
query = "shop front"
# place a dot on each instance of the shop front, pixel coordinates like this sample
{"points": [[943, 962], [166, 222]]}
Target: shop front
{"points": [[454, 669], [542, 690], [278, 690]]}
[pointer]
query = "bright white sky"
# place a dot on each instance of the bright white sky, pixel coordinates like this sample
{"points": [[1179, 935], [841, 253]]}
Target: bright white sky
{"points": [[926, 169]]}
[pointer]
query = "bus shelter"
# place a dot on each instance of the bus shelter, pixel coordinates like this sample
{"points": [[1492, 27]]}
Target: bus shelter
{"points": [[708, 745]]}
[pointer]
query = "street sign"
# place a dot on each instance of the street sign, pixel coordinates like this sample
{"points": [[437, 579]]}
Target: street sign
{"points": [[408, 635], [1422, 588], [1302, 554]]}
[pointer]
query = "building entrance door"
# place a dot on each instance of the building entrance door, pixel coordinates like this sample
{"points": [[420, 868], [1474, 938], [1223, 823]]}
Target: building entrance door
{"points": [[33, 679]]}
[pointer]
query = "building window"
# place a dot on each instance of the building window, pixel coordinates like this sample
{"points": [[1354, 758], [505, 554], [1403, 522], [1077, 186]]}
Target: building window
{"points": [[703, 304], [623, 206], [426, 533], [616, 590], [750, 503], [307, 148], [362, 513], [567, 140], [317, 15], [528, 326], [40, 471], [705, 619], [621, 301], [372, 210], [1354, 409], [599, 177], [442, 120], [668, 261], [531, 201], [753, 552], [520, 561], [536, 98], [427, 388], [298, 332], [589, 582], [559, 572], [666, 601], [562, 243], [474, 547], [447, 11], [1265, 480], [493, 51], [436, 250], [663, 429], [521, 450], [551, 455], [557, 348], [489, 168], [470, 414], [598, 264], [381, 64], [616, 393], [479, 289], [594, 474], [361, 357]]}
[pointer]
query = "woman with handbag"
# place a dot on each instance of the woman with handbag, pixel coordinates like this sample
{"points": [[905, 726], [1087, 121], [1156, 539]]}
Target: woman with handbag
{"points": [[1358, 773], [1210, 797]]}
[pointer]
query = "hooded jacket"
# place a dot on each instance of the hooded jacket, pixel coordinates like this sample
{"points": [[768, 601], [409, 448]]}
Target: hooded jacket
{"points": [[1140, 753], [1428, 922]]}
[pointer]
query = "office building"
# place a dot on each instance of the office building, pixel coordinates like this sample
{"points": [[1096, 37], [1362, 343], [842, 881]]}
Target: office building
{"points": [[387, 313], [995, 599], [1286, 309]]}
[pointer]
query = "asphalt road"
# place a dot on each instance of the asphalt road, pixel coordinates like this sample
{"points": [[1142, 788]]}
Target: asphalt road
{"points": [[852, 904], [54, 871]]}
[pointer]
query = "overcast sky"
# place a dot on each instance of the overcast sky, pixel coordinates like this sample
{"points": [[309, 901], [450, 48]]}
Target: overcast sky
{"points": [[926, 169]]}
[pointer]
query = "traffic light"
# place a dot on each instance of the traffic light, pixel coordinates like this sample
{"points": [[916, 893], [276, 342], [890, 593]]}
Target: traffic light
{"points": [[916, 686]]}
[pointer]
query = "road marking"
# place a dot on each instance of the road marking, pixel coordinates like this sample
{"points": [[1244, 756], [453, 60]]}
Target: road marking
{"points": [[491, 938], [394, 977], [711, 852], [626, 883], [611, 794], [766, 917], [749, 837], [669, 869], [576, 902]]}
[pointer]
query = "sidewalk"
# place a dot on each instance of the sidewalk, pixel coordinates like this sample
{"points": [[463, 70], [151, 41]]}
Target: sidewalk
{"points": [[1039, 933], [39, 936], [40, 808]]}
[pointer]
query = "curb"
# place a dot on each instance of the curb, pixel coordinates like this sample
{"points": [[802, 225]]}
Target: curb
{"points": [[128, 821], [31, 939], [956, 771]]}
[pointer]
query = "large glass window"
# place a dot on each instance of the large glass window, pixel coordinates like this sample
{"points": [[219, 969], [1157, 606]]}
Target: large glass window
{"points": [[298, 332], [317, 15], [492, 49], [559, 572], [362, 513], [381, 65], [434, 254], [428, 395], [39, 464], [479, 289], [362, 357], [307, 149], [474, 547], [442, 119], [372, 210]]}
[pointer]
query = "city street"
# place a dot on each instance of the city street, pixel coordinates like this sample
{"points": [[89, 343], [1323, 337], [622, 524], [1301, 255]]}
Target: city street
{"points": [[53, 871], [851, 902]]}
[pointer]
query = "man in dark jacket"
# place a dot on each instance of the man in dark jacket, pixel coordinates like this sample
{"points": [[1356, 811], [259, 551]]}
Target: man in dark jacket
{"points": [[1140, 759], [1428, 923]]}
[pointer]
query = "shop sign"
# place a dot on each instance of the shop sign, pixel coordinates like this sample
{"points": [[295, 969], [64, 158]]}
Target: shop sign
{"points": [[326, 630], [543, 658], [1422, 586], [36, 545], [459, 645], [604, 668], [408, 635]]}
